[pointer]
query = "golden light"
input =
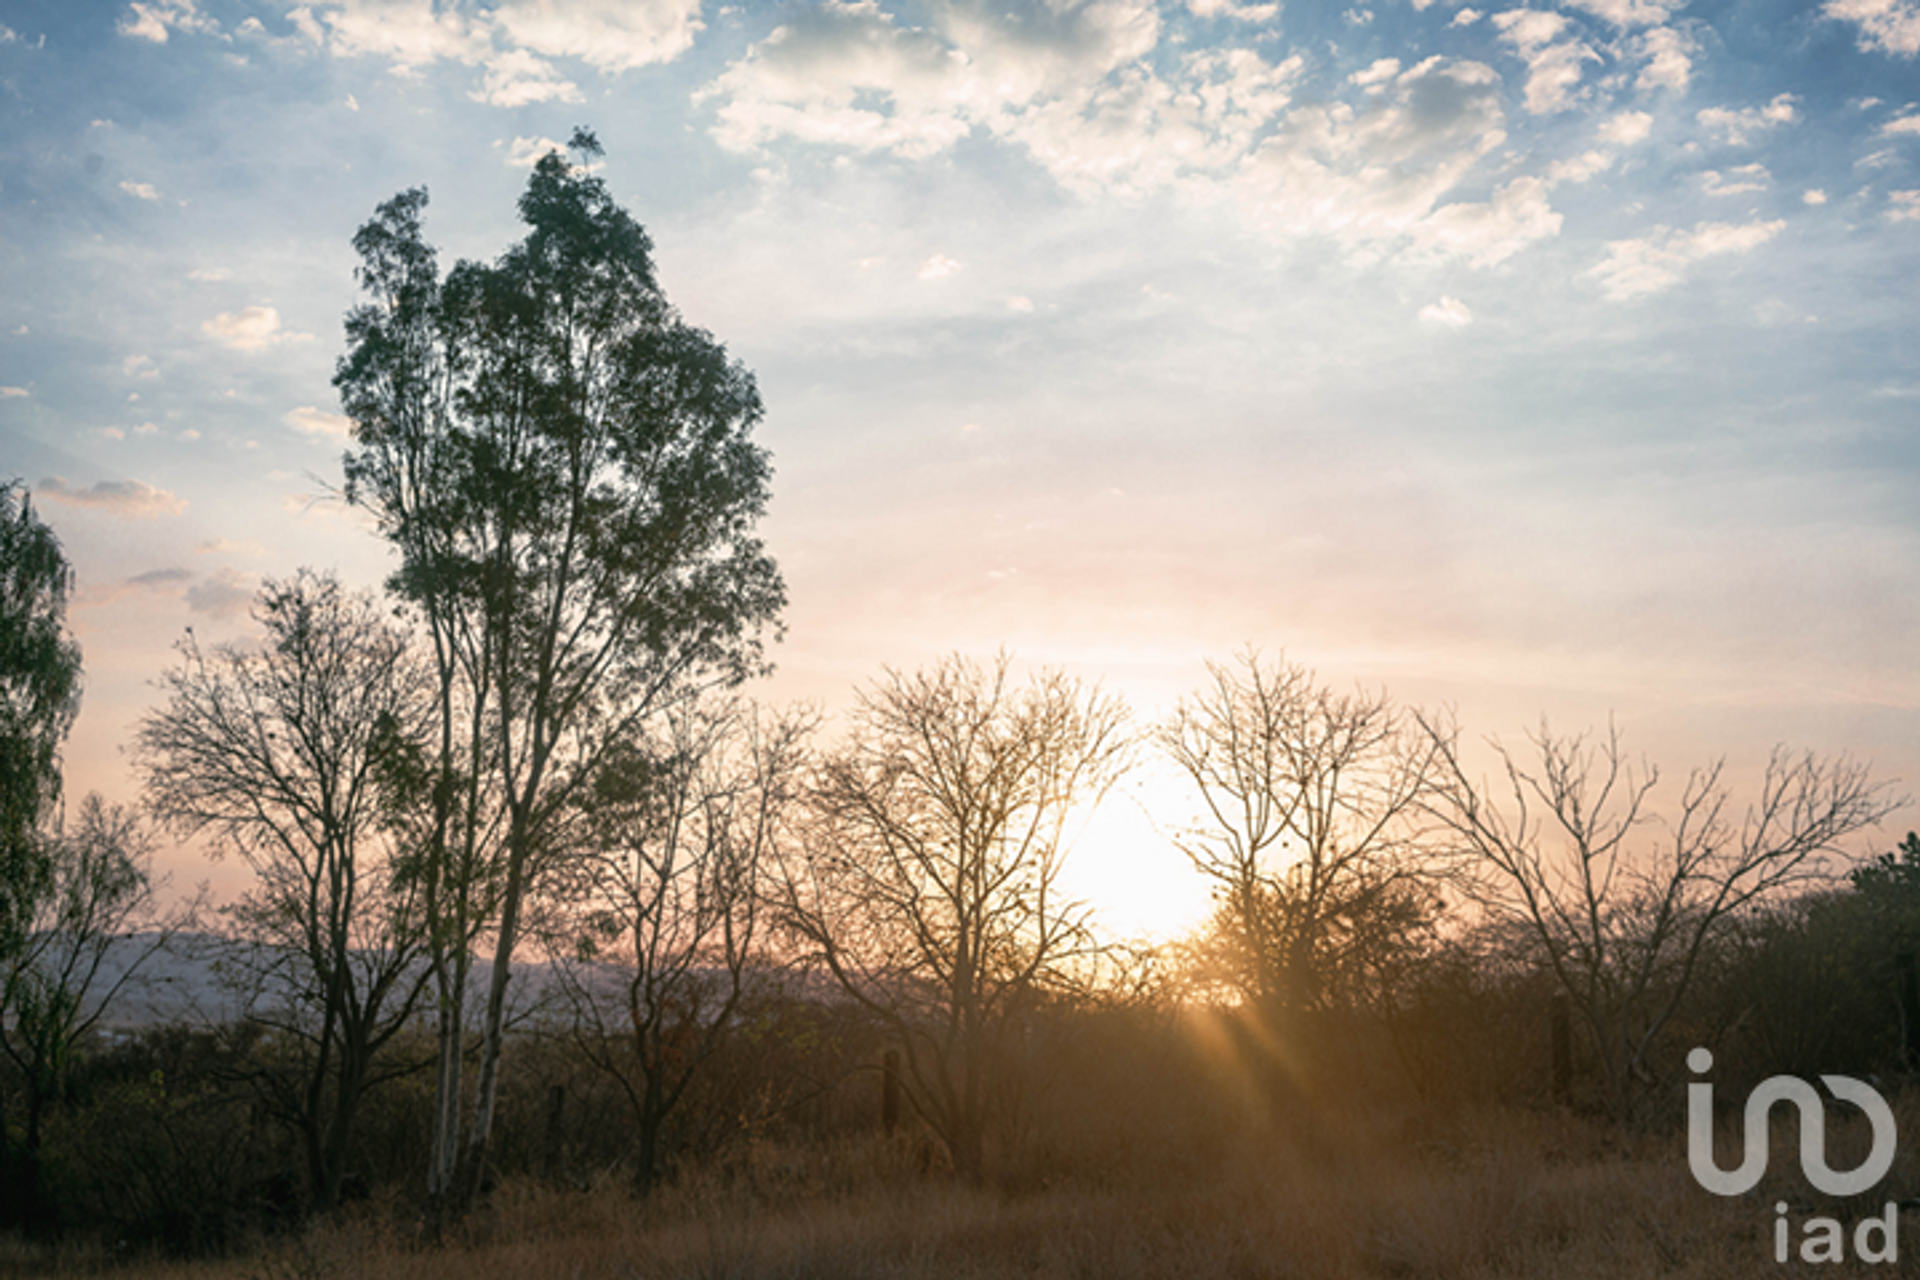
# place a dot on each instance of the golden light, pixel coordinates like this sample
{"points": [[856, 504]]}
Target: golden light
{"points": [[1123, 863]]}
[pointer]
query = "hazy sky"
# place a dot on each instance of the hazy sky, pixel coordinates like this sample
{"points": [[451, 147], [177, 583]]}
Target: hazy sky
{"points": [[1554, 360]]}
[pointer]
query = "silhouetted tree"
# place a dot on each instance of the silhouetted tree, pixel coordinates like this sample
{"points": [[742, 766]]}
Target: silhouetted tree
{"points": [[285, 755], [929, 882], [78, 956], [1311, 803], [568, 472], [1623, 922], [660, 919]]}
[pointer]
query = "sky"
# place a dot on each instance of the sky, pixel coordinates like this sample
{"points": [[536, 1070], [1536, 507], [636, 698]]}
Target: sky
{"points": [[1543, 361]]}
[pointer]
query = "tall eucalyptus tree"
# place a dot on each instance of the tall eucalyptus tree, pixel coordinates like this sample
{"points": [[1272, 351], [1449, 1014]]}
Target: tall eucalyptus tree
{"points": [[568, 471]]}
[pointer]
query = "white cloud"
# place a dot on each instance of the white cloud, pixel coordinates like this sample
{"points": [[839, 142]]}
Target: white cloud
{"points": [[146, 429], [133, 498], [524, 153], [517, 78], [609, 35], [1813, 196], [1903, 206], [1466, 18], [7, 34], [513, 40], [1490, 233], [1448, 311], [206, 275], [1737, 127], [1554, 65], [1024, 305], [154, 21], [1669, 55], [13, 393], [112, 433], [1580, 168], [144, 190], [1909, 123], [1627, 128], [938, 267], [1746, 178], [1380, 73], [251, 329], [309, 421], [1888, 26], [1658, 261], [1236, 9], [138, 367], [1628, 13]]}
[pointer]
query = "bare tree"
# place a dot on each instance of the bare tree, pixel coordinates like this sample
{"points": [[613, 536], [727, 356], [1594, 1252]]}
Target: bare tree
{"points": [[929, 882], [1312, 805], [660, 918], [1622, 902], [288, 755]]}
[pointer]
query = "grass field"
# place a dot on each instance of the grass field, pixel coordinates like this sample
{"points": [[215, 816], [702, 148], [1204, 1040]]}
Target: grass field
{"points": [[1487, 1194]]}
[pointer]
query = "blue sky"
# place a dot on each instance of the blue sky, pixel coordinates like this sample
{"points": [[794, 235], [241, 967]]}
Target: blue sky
{"points": [[1541, 360]]}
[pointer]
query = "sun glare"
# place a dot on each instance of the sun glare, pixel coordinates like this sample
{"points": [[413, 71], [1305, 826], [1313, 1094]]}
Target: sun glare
{"points": [[1124, 865]]}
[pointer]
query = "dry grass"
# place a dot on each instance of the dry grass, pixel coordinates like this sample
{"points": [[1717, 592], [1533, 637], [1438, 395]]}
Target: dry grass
{"points": [[1492, 1196]]}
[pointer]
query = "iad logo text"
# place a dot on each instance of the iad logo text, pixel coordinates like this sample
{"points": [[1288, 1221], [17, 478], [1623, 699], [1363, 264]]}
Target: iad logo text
{"points": [[1875, 1239]]}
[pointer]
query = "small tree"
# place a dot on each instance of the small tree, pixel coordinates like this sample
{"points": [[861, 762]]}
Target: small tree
{"points": [[1622, 903], [1312, 805], [929, 881], [659, 919], [79, 955], [286, 754]]}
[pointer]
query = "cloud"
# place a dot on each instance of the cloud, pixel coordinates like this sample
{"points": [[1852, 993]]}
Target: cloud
{"points": [[1813, 195], [1627, 128], [1669, 60], [1628, 13], [512, 40], [224, 593], [138, 367], [1909, 123], [154, 21], [251, 329], [144, 190], [1903, 206], [845, 73], [1466, 18], [207, 276], [524, 153], [517, 78], [1737, 127], [13, 393], [608, 35], [133, 498], [309, 421], [1658, 261], [1020, 303], [1237, 10], [1580, 168], [1554, 65], [1448, 311], [1886, 26], [1489, 233], [227, 546], [938, 267], [1748, 177]]}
